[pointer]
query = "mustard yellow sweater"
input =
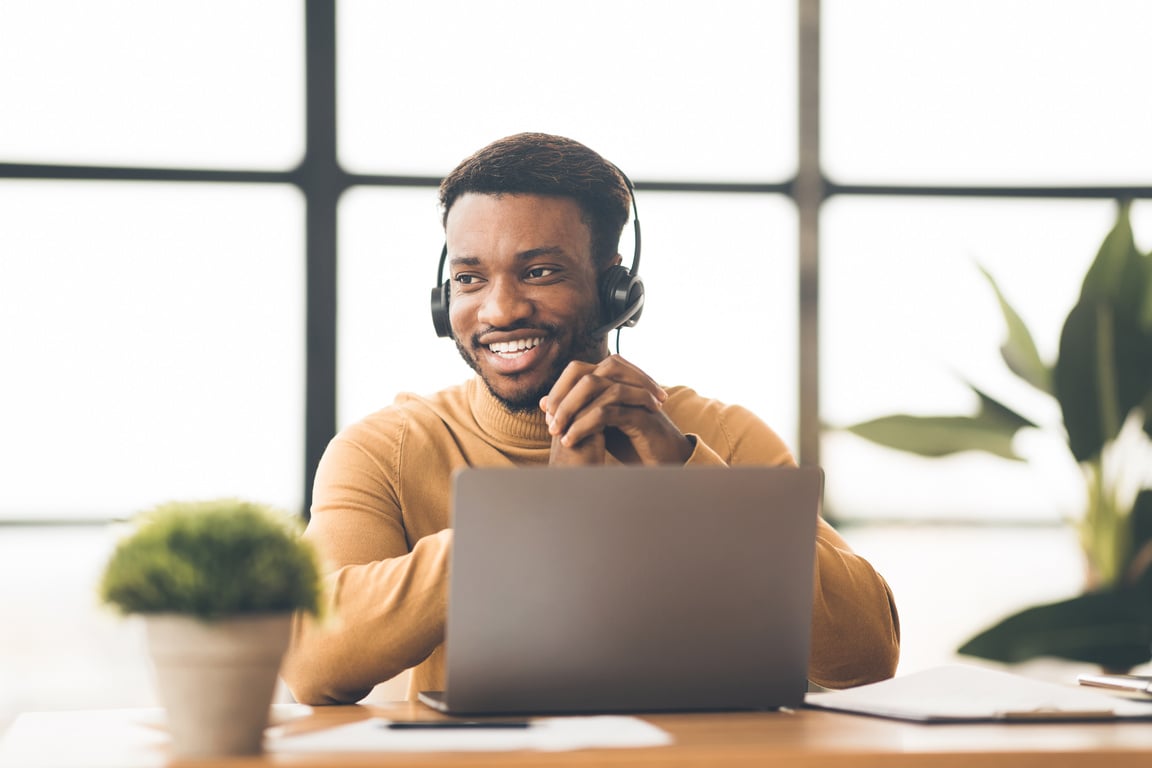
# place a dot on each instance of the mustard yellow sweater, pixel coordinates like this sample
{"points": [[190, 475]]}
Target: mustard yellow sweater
{"points": [[380, 521]]}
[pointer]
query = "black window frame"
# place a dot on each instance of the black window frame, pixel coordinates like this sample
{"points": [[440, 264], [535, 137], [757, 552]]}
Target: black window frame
{"points": [[322, 181]]}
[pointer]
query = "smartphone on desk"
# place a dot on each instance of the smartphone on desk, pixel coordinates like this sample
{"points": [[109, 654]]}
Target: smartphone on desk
{"points": [[406, 725]]}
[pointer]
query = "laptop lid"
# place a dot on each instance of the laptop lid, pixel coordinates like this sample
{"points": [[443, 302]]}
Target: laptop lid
{"points": [[617, 589]]}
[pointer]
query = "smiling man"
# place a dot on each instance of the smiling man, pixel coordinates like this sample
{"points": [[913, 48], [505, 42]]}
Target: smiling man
{"points": [[532, 225]]}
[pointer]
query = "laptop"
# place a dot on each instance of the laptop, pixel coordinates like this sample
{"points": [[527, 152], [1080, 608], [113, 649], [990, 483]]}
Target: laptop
{"points": [[629, 589]]}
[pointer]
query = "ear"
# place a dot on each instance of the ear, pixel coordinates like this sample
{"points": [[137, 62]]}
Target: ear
{"points": [[601, 271]]}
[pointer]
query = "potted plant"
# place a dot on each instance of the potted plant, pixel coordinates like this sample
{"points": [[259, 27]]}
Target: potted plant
{"points": [[1102, 381], [217, 583]]}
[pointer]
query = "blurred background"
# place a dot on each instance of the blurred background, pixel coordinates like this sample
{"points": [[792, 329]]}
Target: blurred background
{"points": [[219, 230]]}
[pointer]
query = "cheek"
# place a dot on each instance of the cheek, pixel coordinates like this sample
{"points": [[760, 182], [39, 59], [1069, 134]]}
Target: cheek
{"points": [[459, 310]]}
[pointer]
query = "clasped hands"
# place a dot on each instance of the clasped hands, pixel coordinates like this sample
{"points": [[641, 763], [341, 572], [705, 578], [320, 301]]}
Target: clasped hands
{"points": [[611, 407]]}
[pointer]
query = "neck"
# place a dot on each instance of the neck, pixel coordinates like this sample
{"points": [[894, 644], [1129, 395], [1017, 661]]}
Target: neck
{"points": [[524, 428]]}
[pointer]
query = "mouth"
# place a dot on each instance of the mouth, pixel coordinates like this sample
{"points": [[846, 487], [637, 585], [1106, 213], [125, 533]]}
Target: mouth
{"points": [[510, 350], [515, 357]]}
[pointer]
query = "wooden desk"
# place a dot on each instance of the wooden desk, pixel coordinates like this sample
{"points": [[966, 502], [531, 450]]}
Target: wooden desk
{"points": [[95, 739]]}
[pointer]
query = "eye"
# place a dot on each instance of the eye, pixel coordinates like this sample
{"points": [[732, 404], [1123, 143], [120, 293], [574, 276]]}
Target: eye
{"points": [[538, 273], [465, 278]]}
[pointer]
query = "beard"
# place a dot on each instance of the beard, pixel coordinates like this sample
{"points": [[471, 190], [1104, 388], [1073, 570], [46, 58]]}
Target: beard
{"points": [[584, 345]]}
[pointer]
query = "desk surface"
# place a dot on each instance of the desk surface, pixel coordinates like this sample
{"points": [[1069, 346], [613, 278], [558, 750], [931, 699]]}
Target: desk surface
{"points": [[97, 738]]}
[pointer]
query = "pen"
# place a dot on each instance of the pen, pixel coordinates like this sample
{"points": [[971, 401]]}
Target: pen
{"points": [[434, 724]]}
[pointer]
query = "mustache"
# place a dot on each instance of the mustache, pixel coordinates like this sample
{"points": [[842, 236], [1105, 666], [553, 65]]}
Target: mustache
{"points": [[548, 329]]}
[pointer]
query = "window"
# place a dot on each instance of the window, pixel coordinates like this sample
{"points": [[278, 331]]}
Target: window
{"points": [[205, 84], [206, 269], [908, 319], [151, 334], [934, 96], [151, 327]]}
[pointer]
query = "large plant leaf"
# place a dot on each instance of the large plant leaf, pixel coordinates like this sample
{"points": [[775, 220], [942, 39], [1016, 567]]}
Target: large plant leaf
{"points": [[1105, 365], [1109, 278], [940, 435], [1112, 629], [1139, 566], [1104, 371], [992, 409], [1018, 349]]}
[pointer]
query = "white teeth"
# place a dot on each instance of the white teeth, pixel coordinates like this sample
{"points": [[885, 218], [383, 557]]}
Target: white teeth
{"points": [[512, 347]]}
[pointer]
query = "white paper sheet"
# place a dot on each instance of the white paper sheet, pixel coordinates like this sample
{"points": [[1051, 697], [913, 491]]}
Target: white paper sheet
{"points": [[962, 693], [543, 734]]}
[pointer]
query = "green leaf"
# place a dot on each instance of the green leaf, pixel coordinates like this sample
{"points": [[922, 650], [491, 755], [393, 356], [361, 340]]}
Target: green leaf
{"points": [[212, 558], [940, 435], [1138, 568], [1104, 371], [1141, 518], [1018, 349], [1105, 365], [1109, 277], [992, 409], [1110, 628]]}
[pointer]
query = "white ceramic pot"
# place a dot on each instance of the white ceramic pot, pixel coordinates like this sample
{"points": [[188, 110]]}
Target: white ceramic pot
{"points": [[216, 679]]}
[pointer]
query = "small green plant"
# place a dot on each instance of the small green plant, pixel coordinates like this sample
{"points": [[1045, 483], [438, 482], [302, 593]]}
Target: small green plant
{"points": [[212, 559], [1102, 382]]}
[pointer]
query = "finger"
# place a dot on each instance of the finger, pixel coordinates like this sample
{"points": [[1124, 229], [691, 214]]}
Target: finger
{"points": [[569, 377], [589, 398], [581, 383], [617, 406], [589, 451], [612, 367], [634, 374], [643, 436]]}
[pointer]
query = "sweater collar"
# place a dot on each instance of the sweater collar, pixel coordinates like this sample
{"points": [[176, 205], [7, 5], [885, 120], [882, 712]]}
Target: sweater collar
{"points": [[528, 430]]}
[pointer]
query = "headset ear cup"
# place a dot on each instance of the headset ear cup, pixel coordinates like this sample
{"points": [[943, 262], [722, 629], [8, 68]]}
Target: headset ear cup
{"points": [[621, 297], [440, 310], [635, 301]]}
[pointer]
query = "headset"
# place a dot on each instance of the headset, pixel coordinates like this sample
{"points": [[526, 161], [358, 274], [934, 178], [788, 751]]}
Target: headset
{"points": [[620, 289]]}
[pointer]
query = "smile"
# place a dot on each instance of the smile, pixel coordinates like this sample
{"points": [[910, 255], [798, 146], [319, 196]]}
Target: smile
{"points": [[509, 349]]}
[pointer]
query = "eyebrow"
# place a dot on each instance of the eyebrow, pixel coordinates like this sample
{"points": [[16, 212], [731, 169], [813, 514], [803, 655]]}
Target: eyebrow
{"points": [[528, 255]]}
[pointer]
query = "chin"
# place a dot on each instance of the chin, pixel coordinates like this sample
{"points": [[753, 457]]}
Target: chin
{"points": [[520, 401], [516, 395]]}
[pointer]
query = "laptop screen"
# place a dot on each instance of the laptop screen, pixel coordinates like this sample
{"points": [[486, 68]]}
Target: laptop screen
{"points": [[608, 589]]}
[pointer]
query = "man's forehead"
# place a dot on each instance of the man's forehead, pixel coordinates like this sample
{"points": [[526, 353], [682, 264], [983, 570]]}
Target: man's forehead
{"points": [[496, 199], [476, 212]]}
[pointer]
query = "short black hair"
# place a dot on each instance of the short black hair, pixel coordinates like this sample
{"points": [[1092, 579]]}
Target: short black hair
{"points": [[542, 164]]}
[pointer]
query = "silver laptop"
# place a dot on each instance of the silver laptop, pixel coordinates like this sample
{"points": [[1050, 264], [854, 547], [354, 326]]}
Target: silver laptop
{"points": [[629, 589]]}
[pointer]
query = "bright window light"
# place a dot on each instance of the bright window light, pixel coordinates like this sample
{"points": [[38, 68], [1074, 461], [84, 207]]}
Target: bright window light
{"points": [[987, 91], [204, 84], [152, 344], [676, 89], [907, 318]]}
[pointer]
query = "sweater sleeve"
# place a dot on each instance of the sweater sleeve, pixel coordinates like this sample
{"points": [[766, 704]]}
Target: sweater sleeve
{"points": [[385, 603], [855, 625]]}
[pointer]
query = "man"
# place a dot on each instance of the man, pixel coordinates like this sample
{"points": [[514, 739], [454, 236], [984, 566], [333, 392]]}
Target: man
{"points": [[532, 225]]}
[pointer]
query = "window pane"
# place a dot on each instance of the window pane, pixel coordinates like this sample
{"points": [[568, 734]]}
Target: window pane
{"points": [[721, 310], [987, 91], [907, 318], [211, 83], [705, 324], [152, 339], [678, 89], [390, 241]]}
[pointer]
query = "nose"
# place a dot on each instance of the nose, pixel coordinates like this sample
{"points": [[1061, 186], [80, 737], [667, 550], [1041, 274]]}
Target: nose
{"points": [[505, 303]]}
